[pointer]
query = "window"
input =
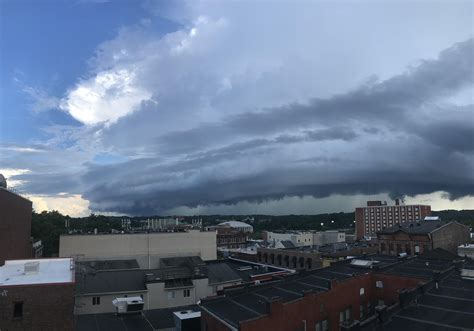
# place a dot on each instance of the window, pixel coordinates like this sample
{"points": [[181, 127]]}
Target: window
{"points": [[171, 295], [322, 326], [95, 301], [321, 308], [348, 314], [186, 293], [345, 315], [379, 284], [18, 309], [361, 291], [362, 312]]}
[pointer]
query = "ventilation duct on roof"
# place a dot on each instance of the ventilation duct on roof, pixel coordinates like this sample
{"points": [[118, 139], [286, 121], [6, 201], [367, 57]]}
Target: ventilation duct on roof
{"points": [[128, 305]]}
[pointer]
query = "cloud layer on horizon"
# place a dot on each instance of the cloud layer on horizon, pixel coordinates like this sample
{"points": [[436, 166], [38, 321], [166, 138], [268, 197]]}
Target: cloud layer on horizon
{"points": [[235, 106]]}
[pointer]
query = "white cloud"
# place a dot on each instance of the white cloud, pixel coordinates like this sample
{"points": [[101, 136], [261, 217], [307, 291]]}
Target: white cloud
{"points": [[105, 98], [439, 201], [73, 205], [10, 173], [21, 149]]}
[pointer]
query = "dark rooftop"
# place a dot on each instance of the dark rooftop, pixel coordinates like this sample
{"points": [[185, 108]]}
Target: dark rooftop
{"points": [[106, 282], [288, 244], [251, 302], [181, 261], [104, 265], [221, 272], [448, 307], [422, 227], [108, 276], [247, 270], [156, 319]]}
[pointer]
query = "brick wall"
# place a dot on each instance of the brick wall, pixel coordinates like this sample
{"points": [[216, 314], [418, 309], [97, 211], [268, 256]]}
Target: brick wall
{"points": [[314, 307], [15, 226], [289, 259], [450, 236], [47, 307]]}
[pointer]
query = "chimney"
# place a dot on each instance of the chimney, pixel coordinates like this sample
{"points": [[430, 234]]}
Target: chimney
{"points": [[397, 202]]}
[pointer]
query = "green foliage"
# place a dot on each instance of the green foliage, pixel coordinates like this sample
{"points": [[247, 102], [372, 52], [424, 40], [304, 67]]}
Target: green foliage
{"points": [[47, 226]]}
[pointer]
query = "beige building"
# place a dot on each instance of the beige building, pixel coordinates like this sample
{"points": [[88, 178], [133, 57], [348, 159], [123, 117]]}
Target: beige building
{"points": [[146, 248], [328, 237], [296, 237], [178, 282]]}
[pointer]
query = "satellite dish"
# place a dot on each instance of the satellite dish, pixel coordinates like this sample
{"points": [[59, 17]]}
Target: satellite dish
{"points": [[3, 181]]}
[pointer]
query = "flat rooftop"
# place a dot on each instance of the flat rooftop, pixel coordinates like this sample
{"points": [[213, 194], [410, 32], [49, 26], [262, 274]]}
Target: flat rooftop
{"points": [[239, 305], [48, 271], [156, 319], [448, 307]]}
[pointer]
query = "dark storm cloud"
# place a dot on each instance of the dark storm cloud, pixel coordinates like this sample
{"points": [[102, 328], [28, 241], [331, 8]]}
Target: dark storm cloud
{"points": [[397, 136], [385, 102], [429, 148]]}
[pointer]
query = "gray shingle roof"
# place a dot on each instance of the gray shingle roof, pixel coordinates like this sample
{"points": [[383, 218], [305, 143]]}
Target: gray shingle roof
{"points": [[107, 282], [287, 244], [423, 227], [221, 273]]}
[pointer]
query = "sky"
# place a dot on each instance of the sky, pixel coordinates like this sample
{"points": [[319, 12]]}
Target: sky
{"points": [[236, 107]]}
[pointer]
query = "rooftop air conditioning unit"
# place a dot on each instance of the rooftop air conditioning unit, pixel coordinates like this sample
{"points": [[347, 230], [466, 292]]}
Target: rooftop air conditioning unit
{"points": [[128, 305], [31, 268]]}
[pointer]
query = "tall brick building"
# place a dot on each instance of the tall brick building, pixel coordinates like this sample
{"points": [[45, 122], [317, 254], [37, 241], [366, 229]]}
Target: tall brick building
{"points": [[378, 215], [15, 225], [37, 295]]}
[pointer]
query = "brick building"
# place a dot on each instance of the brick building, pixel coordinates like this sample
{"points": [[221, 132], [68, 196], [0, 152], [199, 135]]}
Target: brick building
{"points": [[419, 237], [15, 225], [378, 215], [37, 295], [334, 298], [228, 237], [290, 258]]}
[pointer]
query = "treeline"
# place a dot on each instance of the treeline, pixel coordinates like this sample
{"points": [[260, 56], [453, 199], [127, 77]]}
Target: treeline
{"points": [[48, 226]]}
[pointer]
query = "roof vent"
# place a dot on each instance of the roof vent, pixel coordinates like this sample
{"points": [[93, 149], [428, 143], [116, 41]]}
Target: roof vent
{"points": [[31, 268], [150, 277]]}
